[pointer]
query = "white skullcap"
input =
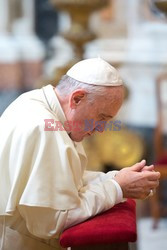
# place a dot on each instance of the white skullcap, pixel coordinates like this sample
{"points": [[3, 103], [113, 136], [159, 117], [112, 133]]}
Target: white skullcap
{"points": [[95, 71]]}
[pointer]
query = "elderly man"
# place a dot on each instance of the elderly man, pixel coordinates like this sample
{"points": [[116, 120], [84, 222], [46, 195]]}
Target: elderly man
{"points": [[44, 187]]}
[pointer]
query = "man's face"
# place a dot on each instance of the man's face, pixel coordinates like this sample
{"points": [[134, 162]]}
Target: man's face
{"points": [[83, 112]]}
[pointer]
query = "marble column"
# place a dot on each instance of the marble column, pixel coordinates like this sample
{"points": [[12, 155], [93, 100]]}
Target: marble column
{"points": [[3, 15], [31, 48], [10, 72]]}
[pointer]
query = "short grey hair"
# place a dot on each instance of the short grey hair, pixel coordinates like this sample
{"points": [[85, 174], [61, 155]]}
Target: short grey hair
{"points": [[67, 85]]}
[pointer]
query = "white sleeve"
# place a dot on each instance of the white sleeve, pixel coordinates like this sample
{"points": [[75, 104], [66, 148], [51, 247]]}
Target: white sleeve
{"points": [[95, 198], [119, 192], [95, 177], [48, 223]]}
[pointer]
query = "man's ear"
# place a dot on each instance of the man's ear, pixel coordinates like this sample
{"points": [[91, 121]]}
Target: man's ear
{"points": [[76, 97]]}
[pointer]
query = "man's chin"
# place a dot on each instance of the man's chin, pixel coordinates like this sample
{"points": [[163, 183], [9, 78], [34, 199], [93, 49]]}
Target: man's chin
{"points": [[76, 138]]}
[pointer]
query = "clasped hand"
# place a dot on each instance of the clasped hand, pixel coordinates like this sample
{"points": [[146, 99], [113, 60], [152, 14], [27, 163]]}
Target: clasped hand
{"points": [[137, 181]]}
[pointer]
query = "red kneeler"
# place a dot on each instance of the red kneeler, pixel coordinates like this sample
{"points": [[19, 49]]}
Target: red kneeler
{"points": [[112, 229]]}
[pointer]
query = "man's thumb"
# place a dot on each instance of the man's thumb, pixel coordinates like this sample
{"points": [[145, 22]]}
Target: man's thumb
{"points": [[138, 166]]}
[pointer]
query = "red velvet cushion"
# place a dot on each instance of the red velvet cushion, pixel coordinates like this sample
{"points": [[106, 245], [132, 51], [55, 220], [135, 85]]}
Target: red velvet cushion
{"points": [[115, 225]]}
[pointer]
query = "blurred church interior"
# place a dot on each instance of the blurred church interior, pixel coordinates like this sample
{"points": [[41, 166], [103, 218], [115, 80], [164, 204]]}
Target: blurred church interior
{"points": [[41, 39]]}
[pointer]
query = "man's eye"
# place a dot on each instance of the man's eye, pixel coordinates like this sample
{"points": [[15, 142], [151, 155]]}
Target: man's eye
{"points": [[102, 119]]}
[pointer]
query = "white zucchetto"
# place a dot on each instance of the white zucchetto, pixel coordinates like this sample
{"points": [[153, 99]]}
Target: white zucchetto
{"points": [[95, 71]]}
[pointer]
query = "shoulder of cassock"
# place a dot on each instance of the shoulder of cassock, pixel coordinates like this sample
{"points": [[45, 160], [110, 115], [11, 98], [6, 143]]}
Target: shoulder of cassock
{"points": [[38, 168]]}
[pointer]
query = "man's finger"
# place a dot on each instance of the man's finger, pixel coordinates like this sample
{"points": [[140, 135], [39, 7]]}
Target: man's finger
{"points": [[139, 166], [152, 176], [153, 184], [148, 168]]}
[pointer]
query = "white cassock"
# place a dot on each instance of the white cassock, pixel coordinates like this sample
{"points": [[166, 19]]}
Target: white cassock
{"points": [[44, 187]]}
